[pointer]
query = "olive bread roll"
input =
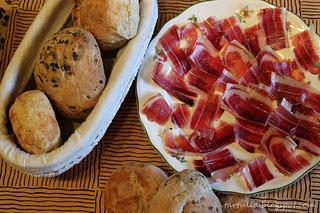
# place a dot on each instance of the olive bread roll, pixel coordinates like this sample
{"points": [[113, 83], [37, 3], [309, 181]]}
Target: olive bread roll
{"points": [[184, 192], [70, 71]]}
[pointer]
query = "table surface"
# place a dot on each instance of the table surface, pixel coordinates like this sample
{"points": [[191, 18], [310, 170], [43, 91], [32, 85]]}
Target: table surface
{"points": [[81, 188]]}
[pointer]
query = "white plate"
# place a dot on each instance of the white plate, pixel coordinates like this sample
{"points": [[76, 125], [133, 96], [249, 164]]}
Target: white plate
{"points": [[86, 135], [147, 88]]}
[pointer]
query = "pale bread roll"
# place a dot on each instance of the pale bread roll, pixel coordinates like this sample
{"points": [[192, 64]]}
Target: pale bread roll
{"points": [[112, 22], [70, 71], [186, 191], [130, 188], [34, 123]]}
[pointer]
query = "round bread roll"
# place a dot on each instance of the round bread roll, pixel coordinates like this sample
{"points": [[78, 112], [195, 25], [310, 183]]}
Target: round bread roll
{"points": [[69, 70], [131, 188], [34, 123], [186, 191], [240, 204], [112, 22]]}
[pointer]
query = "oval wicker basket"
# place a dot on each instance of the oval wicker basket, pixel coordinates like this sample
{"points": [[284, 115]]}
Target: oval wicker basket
{"points": [[79, 144]]}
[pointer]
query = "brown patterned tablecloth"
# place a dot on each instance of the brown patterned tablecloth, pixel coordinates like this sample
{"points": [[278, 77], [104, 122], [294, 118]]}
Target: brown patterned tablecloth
{"points": [[81, 188]]}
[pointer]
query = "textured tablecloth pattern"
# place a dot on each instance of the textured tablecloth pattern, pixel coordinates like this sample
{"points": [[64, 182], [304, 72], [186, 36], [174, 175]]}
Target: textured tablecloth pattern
{"points": [[81, 188]]}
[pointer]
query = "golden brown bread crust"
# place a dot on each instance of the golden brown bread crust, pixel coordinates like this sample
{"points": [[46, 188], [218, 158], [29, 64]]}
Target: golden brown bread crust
{"points": [[112, 22], [186, 191], [70, 71], [131, 188], [34, 123]]}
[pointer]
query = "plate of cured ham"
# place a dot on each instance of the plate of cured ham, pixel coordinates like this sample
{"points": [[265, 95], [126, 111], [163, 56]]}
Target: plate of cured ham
{"points": [[231, 88]]}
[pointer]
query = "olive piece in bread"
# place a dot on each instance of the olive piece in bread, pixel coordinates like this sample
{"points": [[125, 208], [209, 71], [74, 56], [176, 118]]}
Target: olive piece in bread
{"points": [[70, 71], [34, 123]]}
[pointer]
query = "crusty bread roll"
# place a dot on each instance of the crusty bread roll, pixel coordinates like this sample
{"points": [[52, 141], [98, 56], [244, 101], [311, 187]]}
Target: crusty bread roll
{"points": [[240, 204], [112, 22], [69, 70], [34, 122], [186, 191], [131, 188]]}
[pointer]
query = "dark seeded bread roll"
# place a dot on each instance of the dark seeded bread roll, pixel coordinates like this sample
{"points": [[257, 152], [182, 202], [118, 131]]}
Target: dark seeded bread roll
{"points": [[70, 71], [34, 123], [112, 22], [131, 188], [184, 192]]}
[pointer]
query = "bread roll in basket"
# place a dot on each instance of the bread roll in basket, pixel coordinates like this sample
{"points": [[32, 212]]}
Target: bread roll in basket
{"points": [[79, 144]]}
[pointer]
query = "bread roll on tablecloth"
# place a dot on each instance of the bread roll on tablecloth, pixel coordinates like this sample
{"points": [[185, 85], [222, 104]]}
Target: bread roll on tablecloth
{"points": [[185, 192], [131, 188], [34, 123], [112, 22], [70, 71]]}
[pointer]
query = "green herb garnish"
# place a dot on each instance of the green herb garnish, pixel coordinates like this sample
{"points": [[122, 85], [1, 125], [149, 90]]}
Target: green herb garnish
{"points": [[181, 159], [317, 64], [319, 77], [193, 19], [240, 18]]}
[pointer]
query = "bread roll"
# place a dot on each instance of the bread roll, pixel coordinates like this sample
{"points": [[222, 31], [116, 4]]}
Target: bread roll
{"points": [[112, 22], [240, 204], [34, 122], [186, 191], [131, 188], [69, 70]]}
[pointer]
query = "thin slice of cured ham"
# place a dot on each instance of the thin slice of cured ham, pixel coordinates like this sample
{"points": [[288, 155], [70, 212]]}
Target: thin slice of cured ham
{"points": [[157, 110], [249, 134], [247, 103], [210, 29], [256, 173], [181, 115], [282, 152], [201, 79], [311, 99], [235, 33], [285, 87], [206, 57], [256, 38], [176, 143], [273, 21], [225, 24], [236, 58], [212, 138], [221, 164], [282, 118], [188, 35], [170, 43], [303, 128], [251, 76], [306, 51], [289, 68], [206, 110], [200, 167], [172, 83], [266, 59], [225, 78]]}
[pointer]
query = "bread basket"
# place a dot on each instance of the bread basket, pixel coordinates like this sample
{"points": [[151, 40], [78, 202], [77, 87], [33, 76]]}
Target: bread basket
{"points": [[85, 137]]}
